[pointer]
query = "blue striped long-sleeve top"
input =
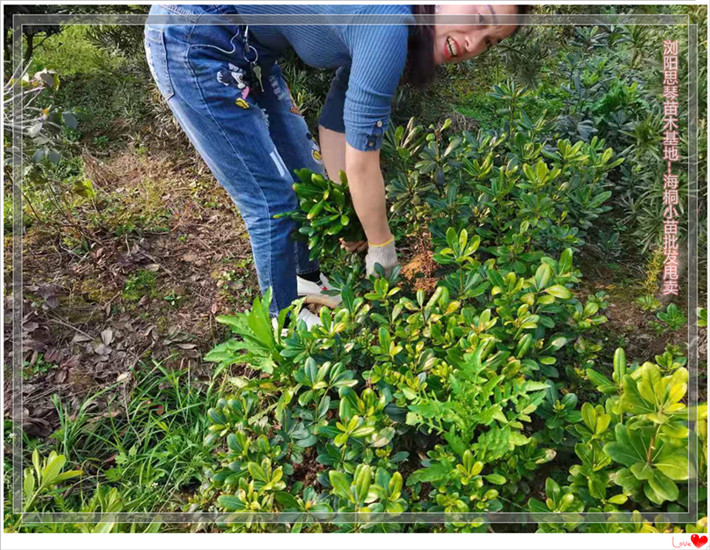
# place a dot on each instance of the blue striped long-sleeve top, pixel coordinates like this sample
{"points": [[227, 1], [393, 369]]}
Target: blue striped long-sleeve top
{"points": [[369, 58]]}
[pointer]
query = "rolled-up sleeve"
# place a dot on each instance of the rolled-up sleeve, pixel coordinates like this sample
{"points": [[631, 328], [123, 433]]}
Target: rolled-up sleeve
{"points": [[331, 115], [379, 54]]}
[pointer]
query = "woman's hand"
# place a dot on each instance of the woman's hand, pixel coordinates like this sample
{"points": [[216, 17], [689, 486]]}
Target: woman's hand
{"points": [[353, 246], [384, 254]]}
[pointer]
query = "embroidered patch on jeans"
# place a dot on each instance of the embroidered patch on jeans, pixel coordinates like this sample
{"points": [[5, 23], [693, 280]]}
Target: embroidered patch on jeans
{"points": [[294, 108], [315, 149], [233, 77]]}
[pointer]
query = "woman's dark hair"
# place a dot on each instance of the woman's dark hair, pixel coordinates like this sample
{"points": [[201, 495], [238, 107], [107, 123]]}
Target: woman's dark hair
{"points": [[421, 69], [523, 9]]}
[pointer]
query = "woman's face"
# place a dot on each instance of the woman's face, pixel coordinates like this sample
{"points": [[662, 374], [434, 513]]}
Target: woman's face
{"points": [[458, 42]]}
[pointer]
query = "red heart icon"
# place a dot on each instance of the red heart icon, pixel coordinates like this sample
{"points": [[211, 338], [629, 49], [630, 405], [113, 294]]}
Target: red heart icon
{"points": [[699, 541]]}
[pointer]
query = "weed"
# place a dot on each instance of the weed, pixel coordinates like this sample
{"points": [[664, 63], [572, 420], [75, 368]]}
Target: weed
{"points": [[672, 318], [142, 283], [147, 442], [101, 142], [40, 366], [648, 302], [172, 298]]}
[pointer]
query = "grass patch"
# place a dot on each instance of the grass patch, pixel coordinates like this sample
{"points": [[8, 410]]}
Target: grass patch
{"points": [[103, 88], [138, 443], [72, 53], [142, 283], [149, 443]]}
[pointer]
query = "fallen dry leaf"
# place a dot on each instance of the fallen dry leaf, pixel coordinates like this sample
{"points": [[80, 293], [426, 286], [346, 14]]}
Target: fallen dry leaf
{"points": [[102, 349], [107, 336]]}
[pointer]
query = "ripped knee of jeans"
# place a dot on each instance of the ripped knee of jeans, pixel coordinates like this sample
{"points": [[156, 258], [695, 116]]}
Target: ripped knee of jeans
{"points": [[279, 88], [282, 93]]}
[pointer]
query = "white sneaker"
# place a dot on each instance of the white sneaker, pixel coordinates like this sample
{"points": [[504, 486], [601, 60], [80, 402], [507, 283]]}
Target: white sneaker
{"points": [[309, 318], [303, 315], [317, 291]]}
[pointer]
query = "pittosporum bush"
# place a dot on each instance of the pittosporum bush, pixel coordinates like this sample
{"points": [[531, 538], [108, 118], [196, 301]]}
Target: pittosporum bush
{"points": [[520, 196], [632, 447], [326, 213], [475, 394], [429, 404]]}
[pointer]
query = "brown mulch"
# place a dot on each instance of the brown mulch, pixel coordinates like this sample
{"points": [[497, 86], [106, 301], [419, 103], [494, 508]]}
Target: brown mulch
{"points": [[420, 268], [307, 471]]}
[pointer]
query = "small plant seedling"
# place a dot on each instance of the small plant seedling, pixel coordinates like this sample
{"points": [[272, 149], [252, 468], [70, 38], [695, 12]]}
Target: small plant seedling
{"points": [[673, 318], [101, 142], [648, 302], [172, 298], [40, 366]]}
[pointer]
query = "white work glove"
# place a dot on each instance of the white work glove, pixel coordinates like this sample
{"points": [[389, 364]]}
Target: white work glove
{"points": [[384, 254]]}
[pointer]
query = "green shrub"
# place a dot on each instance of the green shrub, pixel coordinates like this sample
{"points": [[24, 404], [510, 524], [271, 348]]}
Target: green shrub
{"points": [[633, 447], [450, 401], [459, 377], [326, 213], [518, 197]]}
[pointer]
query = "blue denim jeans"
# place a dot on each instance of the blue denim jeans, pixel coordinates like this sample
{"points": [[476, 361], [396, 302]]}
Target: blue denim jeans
{"points": [[252, 142]]}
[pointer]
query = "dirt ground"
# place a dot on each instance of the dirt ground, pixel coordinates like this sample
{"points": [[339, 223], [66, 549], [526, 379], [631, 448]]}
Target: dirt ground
{"points": [[84, 325], [630, 327]]}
